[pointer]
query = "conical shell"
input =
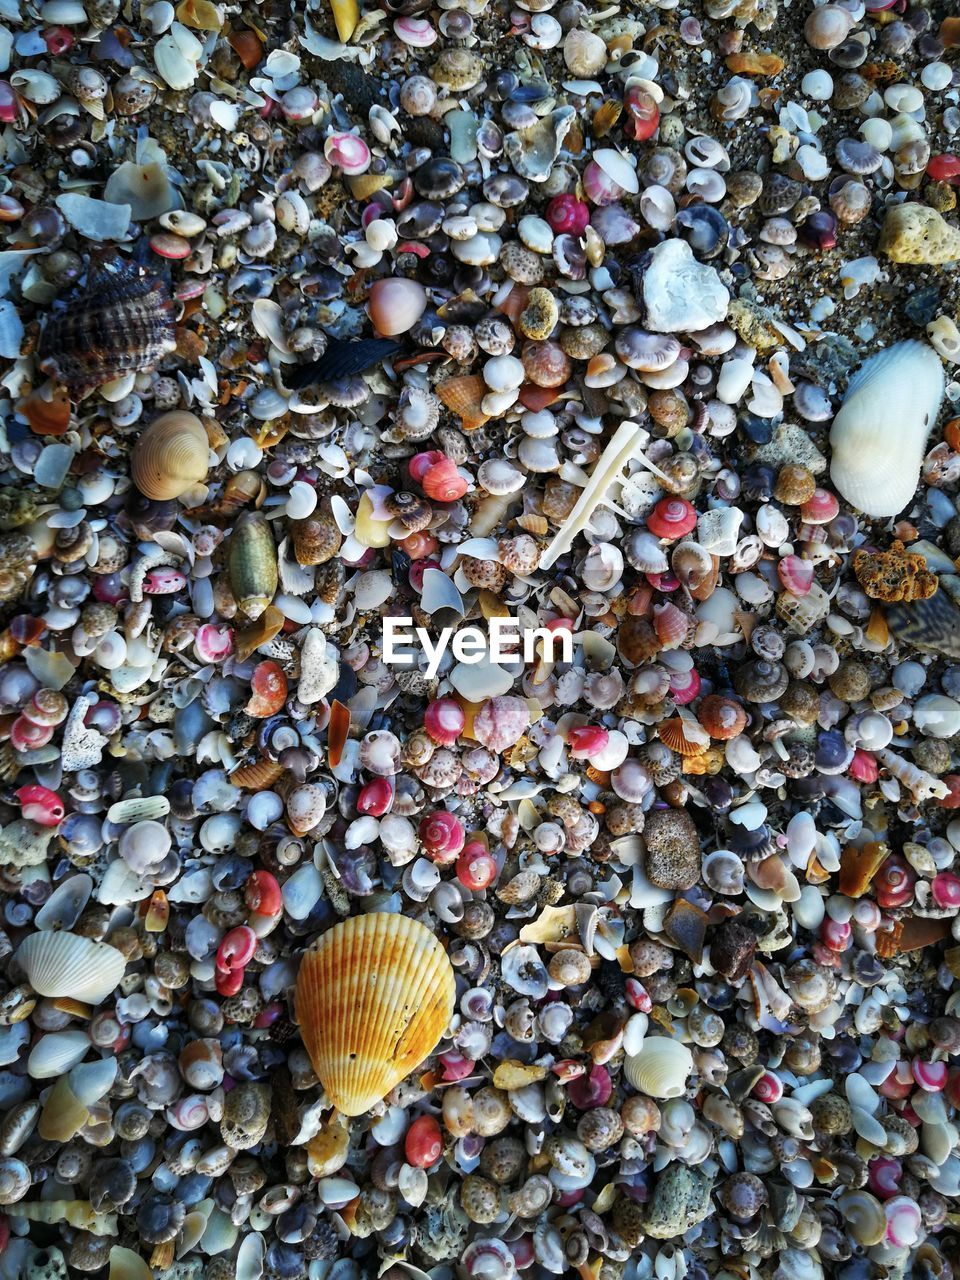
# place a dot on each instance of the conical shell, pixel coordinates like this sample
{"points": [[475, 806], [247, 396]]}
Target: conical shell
{"points": [[880, 434], [65, 964], [121, 321], [660, 1069], [171, 456], [374, 995]]}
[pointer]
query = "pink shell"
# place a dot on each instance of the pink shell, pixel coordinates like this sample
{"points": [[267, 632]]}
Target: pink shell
{"points": [[349, 153], [163, 582], [25, 736], [416, 32], [821, 508], [376, 797], [769, 1088], [41, 805], [863, 768], [671, 624], [599, 188], [930, 1076], [945, 888], [586, 740], [444, 721], [684, 687], [904, 1221], [442, 836], [501, 722], [213, 643], [795, 574]]}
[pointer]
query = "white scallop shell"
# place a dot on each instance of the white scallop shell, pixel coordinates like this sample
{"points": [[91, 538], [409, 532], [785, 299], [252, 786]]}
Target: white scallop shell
{"points": [[661, 1068], [879, 436], [65, 964]]}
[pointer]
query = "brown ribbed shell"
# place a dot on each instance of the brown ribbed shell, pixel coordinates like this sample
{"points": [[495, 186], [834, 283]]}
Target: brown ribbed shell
{"points": [[374, 995], [120, 322]]}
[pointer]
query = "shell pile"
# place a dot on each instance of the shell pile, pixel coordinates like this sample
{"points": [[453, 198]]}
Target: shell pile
{"points": [[479, 640]]}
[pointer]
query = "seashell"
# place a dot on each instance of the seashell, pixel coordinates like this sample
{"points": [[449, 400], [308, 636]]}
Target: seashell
{"points": [[171, 456], [396, 304], [685, 736], [252, 564], [661, 1068], [122, 321], [463, 396], [879, 435], [66, 964], [532, 151], [56, 1053], [921, 785], [127, 1265], [374, 995]]}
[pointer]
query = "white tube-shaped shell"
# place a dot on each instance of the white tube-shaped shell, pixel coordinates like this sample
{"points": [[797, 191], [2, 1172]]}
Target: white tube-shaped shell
{"points": [[880, 434]]}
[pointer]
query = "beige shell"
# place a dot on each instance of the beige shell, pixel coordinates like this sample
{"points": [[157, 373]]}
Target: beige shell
{"points": [[879, 436], [127, 1265], [171, 456], [374, 995], [56, 1053], [77, 1213], [66, 964], [660, 1069], [66, 1107]]}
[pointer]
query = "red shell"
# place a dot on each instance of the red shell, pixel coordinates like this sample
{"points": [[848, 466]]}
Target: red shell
{"points": [[269, 686], [671, 518], [337, 731], [443, 482], [41, 805], [376, 797], [261, 893], [587, 740]]}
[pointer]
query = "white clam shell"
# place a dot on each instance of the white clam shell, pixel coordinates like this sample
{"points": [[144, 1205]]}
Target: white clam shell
{"points": [[879, 436], [56, 1053], [661, 1068], [65, 964]]}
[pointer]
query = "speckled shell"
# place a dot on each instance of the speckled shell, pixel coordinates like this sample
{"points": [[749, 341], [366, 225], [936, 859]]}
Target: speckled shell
{"points": [[374, 995], [660, 1069], [879, 436], [66, 964], [121, 321], [171, 456]]}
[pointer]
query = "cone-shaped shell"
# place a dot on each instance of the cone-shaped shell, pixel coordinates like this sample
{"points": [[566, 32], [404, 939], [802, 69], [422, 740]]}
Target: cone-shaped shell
{"points": [[65, 964], [880, 435], [374, 995], [171, 456], [661, 1068]]}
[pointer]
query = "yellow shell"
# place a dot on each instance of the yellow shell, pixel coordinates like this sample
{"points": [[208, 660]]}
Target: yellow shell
{"points": [[661, 1068], [374, 995], [171, 456]]}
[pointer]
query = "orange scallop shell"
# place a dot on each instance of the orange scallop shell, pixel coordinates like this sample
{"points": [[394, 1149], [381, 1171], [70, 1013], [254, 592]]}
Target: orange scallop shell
{"points": [[257, 777], [682, 736], [462, 396], [374, 995]]}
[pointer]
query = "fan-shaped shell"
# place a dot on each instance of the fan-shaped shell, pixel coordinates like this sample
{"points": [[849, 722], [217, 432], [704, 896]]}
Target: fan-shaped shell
{"points": [[686, 737], [171, 456], [879, 436], [660, 1069], [65, 964], [374, 995]]}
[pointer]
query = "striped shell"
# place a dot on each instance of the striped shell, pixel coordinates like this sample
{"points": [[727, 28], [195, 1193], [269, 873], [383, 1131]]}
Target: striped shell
{"points": [[121, 322], [660, 1069], [374, 995], [66, 964], [171, 456]]}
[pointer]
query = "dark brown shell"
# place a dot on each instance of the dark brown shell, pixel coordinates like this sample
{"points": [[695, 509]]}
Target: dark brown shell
{"points": [[122, 321]]}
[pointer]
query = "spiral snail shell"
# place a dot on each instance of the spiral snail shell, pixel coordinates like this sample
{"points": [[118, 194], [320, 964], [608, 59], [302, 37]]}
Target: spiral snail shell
{"points": [[171, 456]]}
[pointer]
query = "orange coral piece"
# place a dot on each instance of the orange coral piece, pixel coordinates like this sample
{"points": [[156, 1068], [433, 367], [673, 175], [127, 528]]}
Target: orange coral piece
{"points": [[894, 575]]}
